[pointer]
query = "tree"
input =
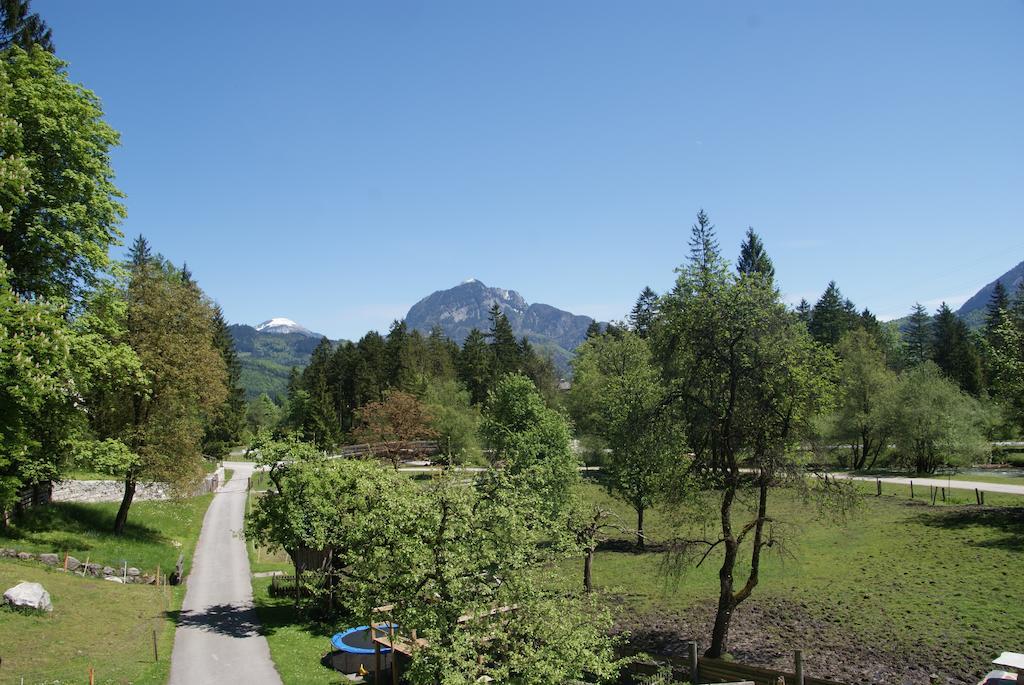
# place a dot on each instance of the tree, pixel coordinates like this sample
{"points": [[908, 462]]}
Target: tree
{"points": [[262, 414], [20, 27], [530, 449], [503, 343], [58, 228], [474, 366], [644, 312], [703, 243], [865, 383], [832, 316], [803, 311], [37, 413], [320, 420], [747, 379], [933, 423], [617, 393], [390, 426], [996, 310], [228, 420], [1007, 355], [954, 351], [919, 336], [754, 258], [456, 420], [160, 421]]}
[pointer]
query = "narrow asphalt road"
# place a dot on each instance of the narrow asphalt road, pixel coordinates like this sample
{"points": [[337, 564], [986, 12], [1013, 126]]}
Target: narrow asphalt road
{"points": [[218, 639], [941, 483]]}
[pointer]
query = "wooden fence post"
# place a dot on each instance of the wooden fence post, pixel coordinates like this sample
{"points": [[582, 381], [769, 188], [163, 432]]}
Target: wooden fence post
{"points": [[911, 489], [694, 671], [977, 497], [798, 665], [156, 656], [878, 483], [943, 494]]}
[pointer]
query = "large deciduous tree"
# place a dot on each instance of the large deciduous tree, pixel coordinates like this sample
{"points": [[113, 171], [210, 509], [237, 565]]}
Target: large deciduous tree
{"points": [[389, 426], [57, 229], [748, 379]]}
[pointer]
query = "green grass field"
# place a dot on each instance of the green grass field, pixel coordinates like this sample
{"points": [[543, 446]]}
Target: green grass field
{"points": [[96, 623]]}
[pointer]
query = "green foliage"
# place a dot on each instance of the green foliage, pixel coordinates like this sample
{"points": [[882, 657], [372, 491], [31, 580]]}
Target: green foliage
{"points": [[1007, 355], [918, 336], [19, 26], [955, 351], [617, 394], [37, 416], [862, 406], [61, 208], [644, 312], [832, 316], [754, 258], [262, 414], [224, 429], [456, 421], [933, 423]]}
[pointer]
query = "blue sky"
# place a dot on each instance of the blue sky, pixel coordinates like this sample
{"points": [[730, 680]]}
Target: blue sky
{"points": [[336, 163]]}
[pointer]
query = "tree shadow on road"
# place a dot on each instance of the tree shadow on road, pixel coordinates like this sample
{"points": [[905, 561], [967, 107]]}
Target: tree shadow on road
{"points": [[224, 619]]}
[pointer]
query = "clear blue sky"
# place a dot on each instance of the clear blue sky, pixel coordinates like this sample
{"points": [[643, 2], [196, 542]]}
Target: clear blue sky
{"points": [[333, 162]]}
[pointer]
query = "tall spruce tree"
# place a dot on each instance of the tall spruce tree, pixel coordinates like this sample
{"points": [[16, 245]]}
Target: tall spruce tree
{"points": [[996, 311], [803, 311], [832, 316], [954, 352], [321, 425], [703, 243], [20, 27], [754, 258], [918, 336], [475, 364], [227, 422], [644, 312], [507, 352]]}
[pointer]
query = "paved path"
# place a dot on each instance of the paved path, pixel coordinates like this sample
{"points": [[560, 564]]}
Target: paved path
{"points": [[218, 639], [1005, 488]]}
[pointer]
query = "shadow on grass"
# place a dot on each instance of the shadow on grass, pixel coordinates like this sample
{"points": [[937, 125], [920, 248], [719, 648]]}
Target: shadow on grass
{"points": [[1006, 521], [74, 524], [630, 547]]}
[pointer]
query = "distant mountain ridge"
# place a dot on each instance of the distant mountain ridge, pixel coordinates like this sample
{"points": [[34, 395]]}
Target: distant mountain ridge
{"points": [[973, 310], [466, 306], [267, 353]]}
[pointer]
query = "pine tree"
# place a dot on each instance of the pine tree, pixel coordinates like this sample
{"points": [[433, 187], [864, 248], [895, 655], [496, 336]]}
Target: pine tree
{"points": [[593, 330], [918, 336], [645, 311], [954, 352], [225, 427], [1016, 309], [704, 253], [475, 366], [503, 342], [754, 258], [832, 316], [996, 311], [20, 27], [140, 253], [321, 425], [803, 311]]}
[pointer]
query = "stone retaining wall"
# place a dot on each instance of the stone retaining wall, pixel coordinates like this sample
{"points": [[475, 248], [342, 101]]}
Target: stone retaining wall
{"points": [[113, 490], [120, 575]]}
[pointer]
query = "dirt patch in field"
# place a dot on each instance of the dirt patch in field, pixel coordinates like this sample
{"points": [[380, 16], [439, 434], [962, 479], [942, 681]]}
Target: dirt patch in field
{"points": [[765, 631]]}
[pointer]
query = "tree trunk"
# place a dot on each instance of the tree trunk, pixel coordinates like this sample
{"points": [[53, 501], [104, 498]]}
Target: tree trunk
{"points": [[720, 632], [126, 502], [588, 570], [640, 539]]}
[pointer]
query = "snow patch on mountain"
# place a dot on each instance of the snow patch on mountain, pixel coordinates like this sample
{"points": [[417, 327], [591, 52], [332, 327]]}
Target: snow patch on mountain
{"points": [[279, 324]]}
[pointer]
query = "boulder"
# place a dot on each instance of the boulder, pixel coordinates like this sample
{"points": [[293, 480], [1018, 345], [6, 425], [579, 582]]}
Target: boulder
{"points": [[114, 579], [8, 552], [26, 556], [108, 570], [49, 559], [93, 569], [73, 564], [132, 571], [29, 596]]}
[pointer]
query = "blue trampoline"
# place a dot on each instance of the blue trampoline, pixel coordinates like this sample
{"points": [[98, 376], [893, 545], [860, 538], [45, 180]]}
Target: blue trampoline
{"points": [[358, 640]]}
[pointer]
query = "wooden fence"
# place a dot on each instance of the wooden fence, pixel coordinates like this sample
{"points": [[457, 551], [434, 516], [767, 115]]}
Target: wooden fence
{"points": [[720, 671], [407, 447]]}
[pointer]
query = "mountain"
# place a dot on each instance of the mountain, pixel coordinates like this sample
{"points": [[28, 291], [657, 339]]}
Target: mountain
{"points": [[282, 325], [268, 352], [460, 309], [973, 310]]}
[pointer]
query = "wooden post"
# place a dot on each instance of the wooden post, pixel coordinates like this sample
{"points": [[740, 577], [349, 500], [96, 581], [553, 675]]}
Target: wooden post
{"points": [[394, 654], [158, 575], [65, 562], [92, 676], [911, 489], [798, 665], [943, 494], [376, 658], [156, 656], [694, 673], [878, 483], [977, 497], [85, 566]]}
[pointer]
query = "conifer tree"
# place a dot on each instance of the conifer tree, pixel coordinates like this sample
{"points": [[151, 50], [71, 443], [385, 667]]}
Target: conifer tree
{"points": [[20, 27], [704, 251], [503, 343], [754, 258], [321, 420], [954, 352], [996, 311], [475, 365], [593, 330], [803, 311], [227, 422], [644, 312], [140, 253], [832, 316], [918, 336]]}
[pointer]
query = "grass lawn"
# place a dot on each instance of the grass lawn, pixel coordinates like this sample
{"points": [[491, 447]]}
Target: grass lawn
{"points": [[95, 622], [156, 532], [935, 586], [227, 474], [985, 478]]}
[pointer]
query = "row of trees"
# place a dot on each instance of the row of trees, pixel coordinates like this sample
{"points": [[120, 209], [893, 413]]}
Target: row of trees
{"points": [[344, 392], [125, 367], [462, 561]]}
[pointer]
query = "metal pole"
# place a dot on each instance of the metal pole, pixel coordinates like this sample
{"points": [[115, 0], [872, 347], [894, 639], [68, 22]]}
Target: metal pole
{"points": [[694, 672]]}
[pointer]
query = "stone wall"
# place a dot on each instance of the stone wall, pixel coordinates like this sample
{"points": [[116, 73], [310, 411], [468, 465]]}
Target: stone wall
{"points": [[113, 490], [120, 575]]}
